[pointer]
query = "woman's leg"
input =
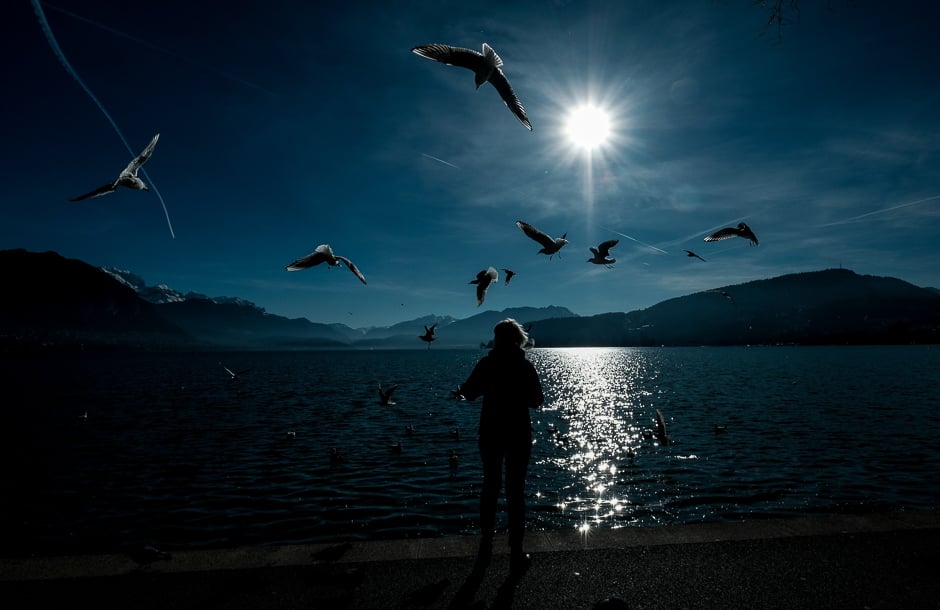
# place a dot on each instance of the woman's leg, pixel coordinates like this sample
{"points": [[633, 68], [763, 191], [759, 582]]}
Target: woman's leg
{"points": [[517, 464], [492, 456]]}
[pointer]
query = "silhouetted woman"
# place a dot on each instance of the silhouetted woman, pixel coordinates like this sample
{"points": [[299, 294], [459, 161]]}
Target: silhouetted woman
{"points": [[510, 387]]}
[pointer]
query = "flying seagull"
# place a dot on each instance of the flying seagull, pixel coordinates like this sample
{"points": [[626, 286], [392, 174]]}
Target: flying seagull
{"points": [[529, 341], [483, 281], [486, 66], [742, 230], [509, 273], [428, 335], [127, 178], [324, 254], [722, 293], [690, 254], [550, 245], [602, 252]]}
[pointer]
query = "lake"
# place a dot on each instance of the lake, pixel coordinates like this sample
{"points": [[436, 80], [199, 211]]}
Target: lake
{"points": [[104, 452]]}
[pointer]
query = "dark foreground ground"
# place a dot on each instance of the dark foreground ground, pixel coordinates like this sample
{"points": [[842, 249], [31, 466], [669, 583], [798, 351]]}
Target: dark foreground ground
{"points": [[857, 561]]}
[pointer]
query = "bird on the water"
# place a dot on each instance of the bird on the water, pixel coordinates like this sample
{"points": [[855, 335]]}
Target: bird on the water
{"points": [[385, 395], [661, 435]]}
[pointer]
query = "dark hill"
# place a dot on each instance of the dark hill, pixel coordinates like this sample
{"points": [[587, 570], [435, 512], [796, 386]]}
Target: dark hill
{"points": [[835, 306], [52, 300]]}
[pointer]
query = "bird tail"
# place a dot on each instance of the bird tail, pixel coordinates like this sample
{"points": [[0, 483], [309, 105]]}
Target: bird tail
{"points": [[491, 57]]}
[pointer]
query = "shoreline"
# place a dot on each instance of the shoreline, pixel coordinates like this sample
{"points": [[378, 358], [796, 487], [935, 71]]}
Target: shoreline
{"points": [[881, 560], [242, 558]]}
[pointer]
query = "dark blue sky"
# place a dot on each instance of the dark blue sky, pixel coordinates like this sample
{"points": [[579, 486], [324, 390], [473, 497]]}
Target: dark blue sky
{"points": [[284, 125]]}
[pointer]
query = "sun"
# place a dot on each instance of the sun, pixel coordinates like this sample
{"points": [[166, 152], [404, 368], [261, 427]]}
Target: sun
{"points": [[588, 127]]}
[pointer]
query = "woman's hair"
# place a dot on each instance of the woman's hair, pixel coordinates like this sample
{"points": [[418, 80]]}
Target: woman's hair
{"points": [[509, 333]]}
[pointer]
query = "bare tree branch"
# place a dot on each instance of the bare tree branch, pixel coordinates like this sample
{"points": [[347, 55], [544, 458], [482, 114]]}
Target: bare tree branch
{"points": [[781, 12]]}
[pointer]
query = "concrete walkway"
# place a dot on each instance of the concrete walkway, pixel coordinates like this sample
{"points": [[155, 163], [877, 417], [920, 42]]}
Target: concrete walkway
{"points": [[855, 561]]}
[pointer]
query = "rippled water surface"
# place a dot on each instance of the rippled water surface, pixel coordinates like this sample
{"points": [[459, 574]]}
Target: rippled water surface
{"points": [[175, 453]]}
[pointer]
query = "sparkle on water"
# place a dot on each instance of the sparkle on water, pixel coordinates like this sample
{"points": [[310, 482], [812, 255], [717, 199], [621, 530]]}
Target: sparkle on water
{"points": [[598, 391]]}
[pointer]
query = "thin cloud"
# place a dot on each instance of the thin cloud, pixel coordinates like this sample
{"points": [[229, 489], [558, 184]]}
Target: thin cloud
{"points": [[433, 158], [868, 215]]}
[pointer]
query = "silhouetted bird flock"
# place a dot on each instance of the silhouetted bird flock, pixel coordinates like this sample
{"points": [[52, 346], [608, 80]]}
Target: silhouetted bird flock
{"points": [[487, 67]]}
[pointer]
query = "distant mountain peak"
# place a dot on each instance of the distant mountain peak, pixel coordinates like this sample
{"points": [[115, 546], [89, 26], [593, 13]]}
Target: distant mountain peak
{"points": [[161, 294], [107, 306]]}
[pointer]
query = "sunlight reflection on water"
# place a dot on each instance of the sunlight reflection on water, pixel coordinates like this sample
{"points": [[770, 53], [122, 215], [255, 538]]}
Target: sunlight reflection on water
{"points": [[598, 405]]}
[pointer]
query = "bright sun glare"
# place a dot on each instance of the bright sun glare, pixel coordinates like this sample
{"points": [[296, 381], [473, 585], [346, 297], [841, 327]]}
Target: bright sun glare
{"points": [[588, 126]]}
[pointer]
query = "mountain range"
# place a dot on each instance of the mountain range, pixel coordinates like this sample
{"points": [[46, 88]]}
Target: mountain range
{"points": [[53, 301]]}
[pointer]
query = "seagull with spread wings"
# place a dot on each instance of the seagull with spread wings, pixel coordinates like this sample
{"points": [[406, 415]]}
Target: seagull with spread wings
{"points": [[483, 281], [428, 336], [509, 273], [324, 254], [602, 253], [742, 230], [127, 178], [691, 254], [486, 66], [550, 245]]}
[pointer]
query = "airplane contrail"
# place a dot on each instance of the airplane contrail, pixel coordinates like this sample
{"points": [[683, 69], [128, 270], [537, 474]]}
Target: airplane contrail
{"points": [[635, 239], [154, 47], [54, 44], [881, 211], [439, 160]]}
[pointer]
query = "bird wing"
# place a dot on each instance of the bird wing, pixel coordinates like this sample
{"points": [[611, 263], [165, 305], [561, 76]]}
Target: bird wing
{"points": [[492, 274], [349, 264], [543, 238], [481, 292], [501, 83], [660, 424], [386, 394], [483, 281], [721, 234], [140, 159], [452, 56], [323, 253], [605, 247], [98, 192]]}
